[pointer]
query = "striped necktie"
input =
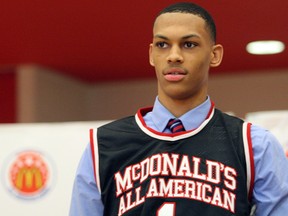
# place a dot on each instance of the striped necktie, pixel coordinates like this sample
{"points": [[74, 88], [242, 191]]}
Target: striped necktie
{"points": [[175, 125]]}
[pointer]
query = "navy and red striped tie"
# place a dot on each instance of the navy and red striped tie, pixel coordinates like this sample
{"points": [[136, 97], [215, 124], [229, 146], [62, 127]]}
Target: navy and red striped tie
{"points": [[175, 125]]}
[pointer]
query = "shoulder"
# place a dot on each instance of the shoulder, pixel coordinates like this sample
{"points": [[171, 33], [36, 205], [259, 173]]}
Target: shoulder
{"points": [[227, 116], [263, 140], [270, 178], [231, 122], [119, 124]]}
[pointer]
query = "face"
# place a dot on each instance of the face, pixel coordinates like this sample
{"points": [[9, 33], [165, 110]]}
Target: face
{"points": [[182, 52]]}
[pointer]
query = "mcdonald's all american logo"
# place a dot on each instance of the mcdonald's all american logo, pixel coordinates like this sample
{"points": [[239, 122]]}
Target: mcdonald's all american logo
{"points": [[29, 174]]}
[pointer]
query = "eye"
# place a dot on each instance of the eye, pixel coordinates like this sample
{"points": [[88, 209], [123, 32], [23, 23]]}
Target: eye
{"points": [[189, 44], [162, 44]]}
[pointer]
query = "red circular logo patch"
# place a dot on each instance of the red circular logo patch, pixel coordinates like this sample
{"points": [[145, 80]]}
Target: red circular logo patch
{"points": [[29, 174]]}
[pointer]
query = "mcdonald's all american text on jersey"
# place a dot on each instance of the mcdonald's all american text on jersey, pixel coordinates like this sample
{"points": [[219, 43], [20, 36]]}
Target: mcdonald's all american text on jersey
{"points": [[185, 181]]}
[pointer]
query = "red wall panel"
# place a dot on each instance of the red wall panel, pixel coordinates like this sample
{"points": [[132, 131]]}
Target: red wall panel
{"points": [[8, 97]]}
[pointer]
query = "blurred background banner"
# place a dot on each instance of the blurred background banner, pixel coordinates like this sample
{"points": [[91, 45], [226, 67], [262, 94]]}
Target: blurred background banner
{"points": [[275, 121], [38, 163]]}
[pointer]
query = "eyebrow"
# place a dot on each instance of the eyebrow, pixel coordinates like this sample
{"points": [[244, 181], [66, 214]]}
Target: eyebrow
{"points": [[183, 38]]}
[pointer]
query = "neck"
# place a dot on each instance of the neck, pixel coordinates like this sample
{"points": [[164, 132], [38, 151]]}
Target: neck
{"points": [[178, 107]]}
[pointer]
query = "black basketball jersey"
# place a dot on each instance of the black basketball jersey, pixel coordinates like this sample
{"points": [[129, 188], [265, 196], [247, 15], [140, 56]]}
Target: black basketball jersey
{"points": [[206, 171]]}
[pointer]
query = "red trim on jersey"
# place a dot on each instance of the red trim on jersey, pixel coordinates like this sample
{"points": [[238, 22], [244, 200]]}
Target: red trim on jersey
{"points": [[249, 139], [92, 152], [143, 111], [211, 109]]}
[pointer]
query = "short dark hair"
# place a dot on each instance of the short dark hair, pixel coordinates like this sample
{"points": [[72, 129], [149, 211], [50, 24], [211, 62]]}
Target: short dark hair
{"points": [[188, 7]]}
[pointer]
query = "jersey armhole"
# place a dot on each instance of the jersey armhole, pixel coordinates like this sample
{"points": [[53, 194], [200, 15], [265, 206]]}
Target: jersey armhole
{"points": [[247, 140], [95, 156]]}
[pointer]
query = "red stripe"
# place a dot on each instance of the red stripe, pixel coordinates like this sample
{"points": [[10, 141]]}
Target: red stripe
{"points": [[211, 109], [92, 152], [249, 139], [178, 128], [170, 123]]}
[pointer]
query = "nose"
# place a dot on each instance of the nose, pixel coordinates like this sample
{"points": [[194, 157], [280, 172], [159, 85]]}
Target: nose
{"points": [[175, 55]]}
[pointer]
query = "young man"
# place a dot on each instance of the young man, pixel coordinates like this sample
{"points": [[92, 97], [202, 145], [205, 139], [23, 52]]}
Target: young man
{"points": [[208, 163]]}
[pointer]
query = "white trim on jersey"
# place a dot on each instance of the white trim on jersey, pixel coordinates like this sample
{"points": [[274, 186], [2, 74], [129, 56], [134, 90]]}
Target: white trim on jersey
{"points": [[171, 137], [95, 153]]}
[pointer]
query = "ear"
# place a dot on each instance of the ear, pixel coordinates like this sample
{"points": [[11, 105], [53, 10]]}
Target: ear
{"points": [[216, 55], [151, 55]]}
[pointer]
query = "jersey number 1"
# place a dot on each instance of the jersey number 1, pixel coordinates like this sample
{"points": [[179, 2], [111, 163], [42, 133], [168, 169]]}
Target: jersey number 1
{"points": [[167, 209]]}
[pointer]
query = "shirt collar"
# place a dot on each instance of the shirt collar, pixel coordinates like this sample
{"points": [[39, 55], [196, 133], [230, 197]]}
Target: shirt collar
{"points": [[191, 120]]}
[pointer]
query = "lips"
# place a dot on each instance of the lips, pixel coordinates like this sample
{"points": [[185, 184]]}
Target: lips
{"points": [[174, 74]]}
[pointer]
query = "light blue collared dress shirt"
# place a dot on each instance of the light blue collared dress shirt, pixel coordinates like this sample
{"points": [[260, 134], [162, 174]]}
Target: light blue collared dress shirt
{"points": [[270, 193]]}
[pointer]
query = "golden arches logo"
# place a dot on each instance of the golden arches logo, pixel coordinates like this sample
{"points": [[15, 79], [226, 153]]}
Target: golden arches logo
{"points": [[29, 180], [29, 173]]}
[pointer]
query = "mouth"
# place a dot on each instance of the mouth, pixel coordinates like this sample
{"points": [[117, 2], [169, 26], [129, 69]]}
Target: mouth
{"points": [[174, 74], [175, 71]]}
